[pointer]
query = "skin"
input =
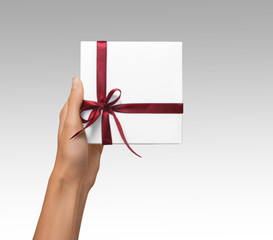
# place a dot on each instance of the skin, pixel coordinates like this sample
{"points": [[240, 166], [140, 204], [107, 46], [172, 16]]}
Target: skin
{"points": [[74, 174]]}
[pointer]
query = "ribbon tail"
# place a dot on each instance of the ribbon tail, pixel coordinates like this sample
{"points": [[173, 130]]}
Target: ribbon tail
{"points": [[106, 129], [122, 133]]}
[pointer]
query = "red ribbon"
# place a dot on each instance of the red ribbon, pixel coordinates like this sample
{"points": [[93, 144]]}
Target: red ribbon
{"points": [[104, 105]]}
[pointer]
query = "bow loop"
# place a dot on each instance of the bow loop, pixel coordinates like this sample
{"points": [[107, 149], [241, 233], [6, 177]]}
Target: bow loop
{"points": [[110, 94]]}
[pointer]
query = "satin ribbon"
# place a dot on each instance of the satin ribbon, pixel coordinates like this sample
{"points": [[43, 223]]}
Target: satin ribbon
{"points": [[105, 107]]}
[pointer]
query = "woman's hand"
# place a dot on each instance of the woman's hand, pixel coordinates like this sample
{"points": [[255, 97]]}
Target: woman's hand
{"points": [[77, 161]]}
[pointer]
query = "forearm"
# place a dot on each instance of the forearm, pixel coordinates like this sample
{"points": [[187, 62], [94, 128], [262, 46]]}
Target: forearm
{"points": [[62, 210]]}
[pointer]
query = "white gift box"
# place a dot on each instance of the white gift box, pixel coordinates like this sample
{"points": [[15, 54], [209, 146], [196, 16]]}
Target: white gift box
{"points": [[145, 72]]}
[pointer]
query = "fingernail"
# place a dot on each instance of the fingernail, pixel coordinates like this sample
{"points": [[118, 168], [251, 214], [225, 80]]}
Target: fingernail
{"points": [[75, 83]]}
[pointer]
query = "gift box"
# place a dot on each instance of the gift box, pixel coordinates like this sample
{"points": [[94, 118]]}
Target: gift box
{"points": [[146, 83]]}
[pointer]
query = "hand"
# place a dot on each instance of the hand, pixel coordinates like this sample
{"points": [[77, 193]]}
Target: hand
{"points": [[77, 162]]}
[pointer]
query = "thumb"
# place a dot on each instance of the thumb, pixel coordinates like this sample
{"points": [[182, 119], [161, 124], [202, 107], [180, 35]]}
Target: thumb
{"points": [[74, 104]]}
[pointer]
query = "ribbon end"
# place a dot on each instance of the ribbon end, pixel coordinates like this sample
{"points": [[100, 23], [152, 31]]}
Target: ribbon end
{"points": [[134, 152], [77, 133], [73, 136], [137, 154]]}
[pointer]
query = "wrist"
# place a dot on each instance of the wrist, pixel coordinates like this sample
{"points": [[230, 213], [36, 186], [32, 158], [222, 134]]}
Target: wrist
{"points": [[67, 183]]}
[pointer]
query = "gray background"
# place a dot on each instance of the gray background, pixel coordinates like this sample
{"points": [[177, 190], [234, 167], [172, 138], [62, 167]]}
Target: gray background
{"points": [[217, 185]]}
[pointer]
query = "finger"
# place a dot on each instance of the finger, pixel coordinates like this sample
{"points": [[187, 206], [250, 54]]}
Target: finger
{"points": [[63, 114], [73, 120]]}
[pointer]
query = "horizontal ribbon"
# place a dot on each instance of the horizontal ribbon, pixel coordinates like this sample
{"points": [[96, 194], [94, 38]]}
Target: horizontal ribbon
{"points": [[105, 107]]}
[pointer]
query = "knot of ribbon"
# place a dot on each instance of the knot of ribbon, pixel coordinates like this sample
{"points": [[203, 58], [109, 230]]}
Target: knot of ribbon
{"points": [[104, 106]]}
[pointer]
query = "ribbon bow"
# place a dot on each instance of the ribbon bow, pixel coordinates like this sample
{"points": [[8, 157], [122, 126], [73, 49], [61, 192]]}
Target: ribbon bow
{"points": [[107, 108], [104, 105]]}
